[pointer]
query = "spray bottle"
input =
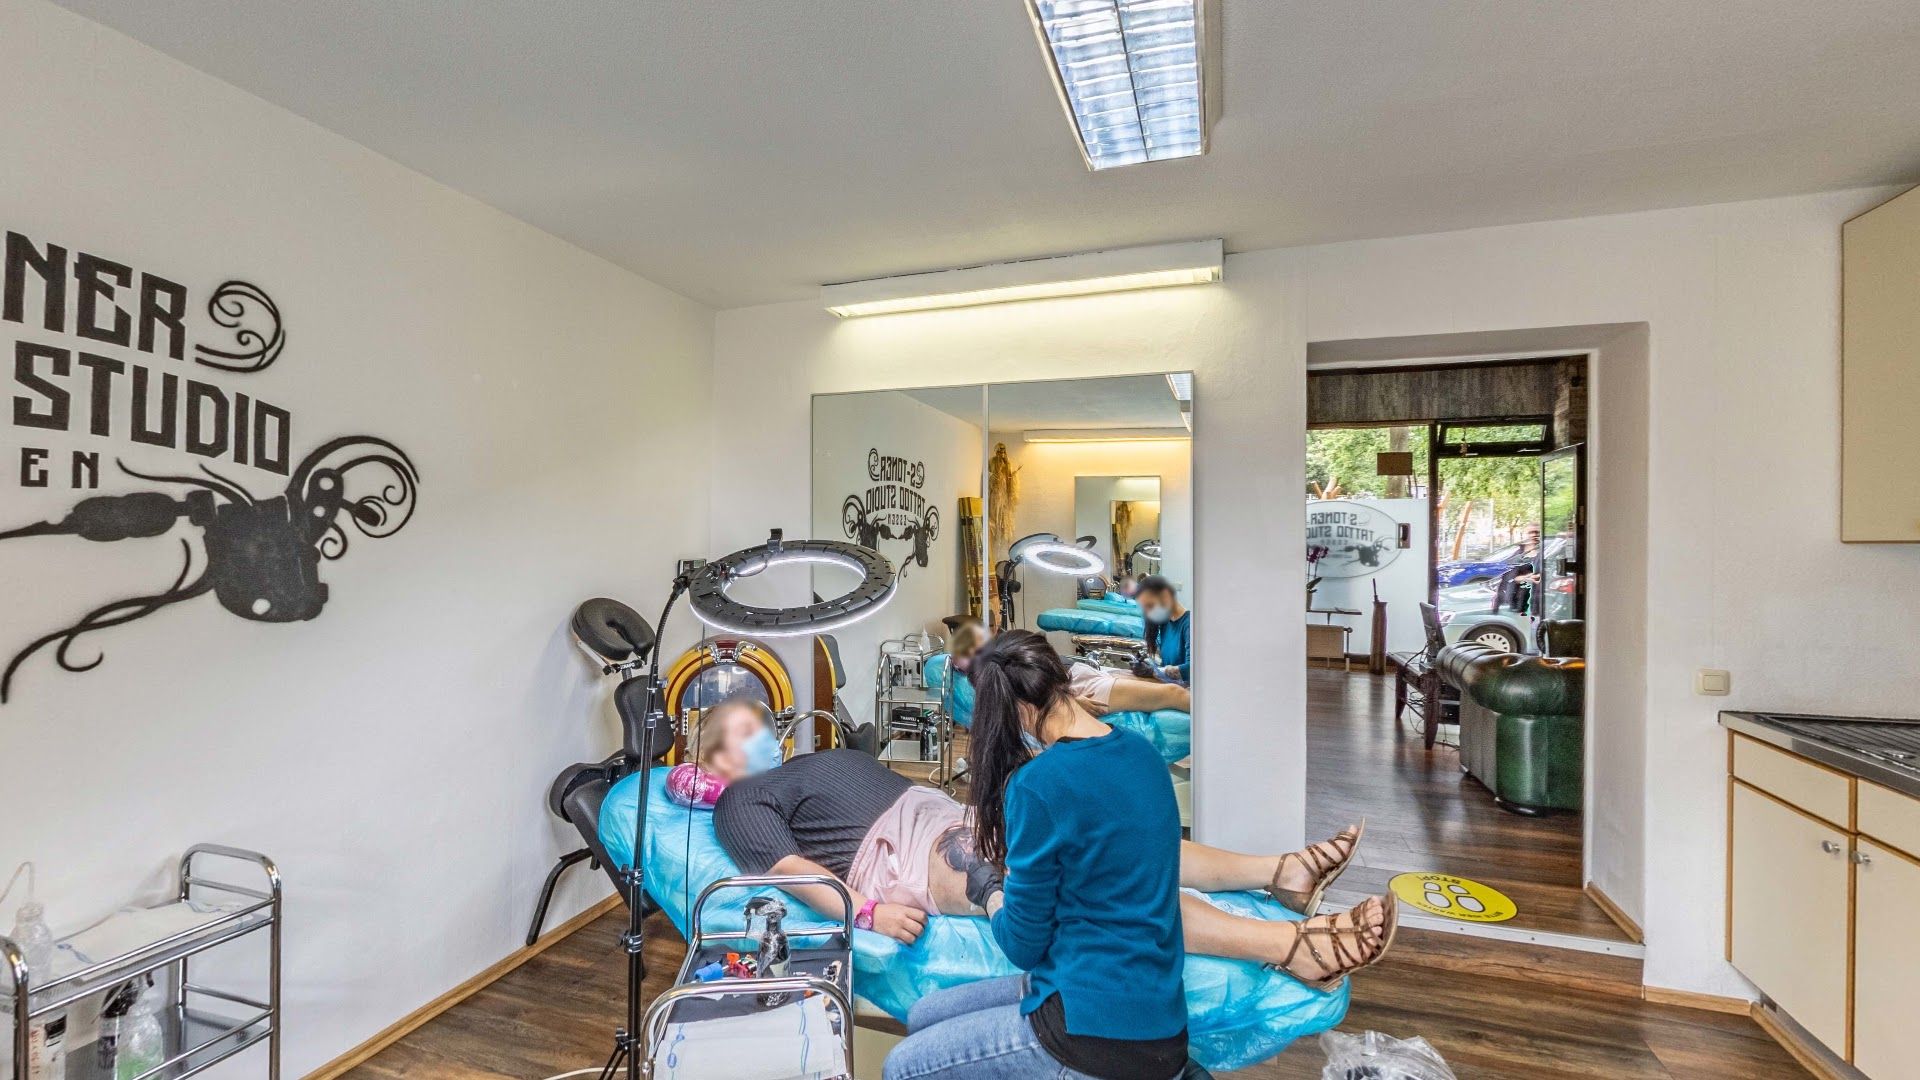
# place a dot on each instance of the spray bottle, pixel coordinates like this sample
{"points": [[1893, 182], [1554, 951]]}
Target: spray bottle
{"points": [[46, 1035]]}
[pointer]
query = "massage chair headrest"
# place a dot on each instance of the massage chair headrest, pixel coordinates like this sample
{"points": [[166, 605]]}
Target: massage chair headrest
{"points": [[612, 631]]}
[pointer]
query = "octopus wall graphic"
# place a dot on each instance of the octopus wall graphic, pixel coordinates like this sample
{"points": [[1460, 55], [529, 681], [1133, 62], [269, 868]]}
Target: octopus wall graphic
{"points": [[259, 554], [892, 508]]}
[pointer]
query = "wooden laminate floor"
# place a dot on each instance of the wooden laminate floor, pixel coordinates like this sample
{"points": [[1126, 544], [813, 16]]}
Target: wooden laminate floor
{"points": [[1424, 814], [556, 1013]]}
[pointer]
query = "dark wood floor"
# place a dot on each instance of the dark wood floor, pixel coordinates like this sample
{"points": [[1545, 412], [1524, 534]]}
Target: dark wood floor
{"points": [[1424, 814], [557, 1012]]}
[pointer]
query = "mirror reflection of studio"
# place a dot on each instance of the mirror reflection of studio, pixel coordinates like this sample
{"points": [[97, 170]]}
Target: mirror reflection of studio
{"points": [[1114, 539]]}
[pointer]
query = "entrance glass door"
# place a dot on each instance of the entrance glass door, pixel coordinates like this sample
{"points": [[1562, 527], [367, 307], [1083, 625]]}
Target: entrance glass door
{"points": [[1562, 529]]}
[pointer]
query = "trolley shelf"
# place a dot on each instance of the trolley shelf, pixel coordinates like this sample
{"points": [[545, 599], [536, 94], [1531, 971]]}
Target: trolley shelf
{"points": [[201, 1025]]}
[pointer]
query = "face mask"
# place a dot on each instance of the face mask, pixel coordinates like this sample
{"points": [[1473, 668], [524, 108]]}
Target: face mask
{"points": [[1032, 744], [1157, 615], [762, 752]]}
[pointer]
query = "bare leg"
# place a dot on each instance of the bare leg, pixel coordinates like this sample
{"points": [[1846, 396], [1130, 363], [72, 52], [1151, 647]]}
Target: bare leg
{"points": [[1211, 869], [1212, 932], [1147, 695]]}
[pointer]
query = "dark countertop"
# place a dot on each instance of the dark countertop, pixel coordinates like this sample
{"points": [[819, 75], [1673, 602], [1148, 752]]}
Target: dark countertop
{"points": [[1884, 750]]}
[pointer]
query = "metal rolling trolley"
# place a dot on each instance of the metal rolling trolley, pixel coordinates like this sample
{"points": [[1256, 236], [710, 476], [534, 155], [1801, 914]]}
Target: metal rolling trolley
{"points": [[202, 1025], [826, 969], [900, 682]]}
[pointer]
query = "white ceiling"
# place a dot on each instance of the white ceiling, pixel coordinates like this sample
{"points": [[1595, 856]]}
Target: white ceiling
{"points": [[743, 151], [1130, 401]]}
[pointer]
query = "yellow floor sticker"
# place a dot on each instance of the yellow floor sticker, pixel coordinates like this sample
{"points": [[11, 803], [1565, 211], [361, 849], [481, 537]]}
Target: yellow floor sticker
{"points": [[1453, 897]]}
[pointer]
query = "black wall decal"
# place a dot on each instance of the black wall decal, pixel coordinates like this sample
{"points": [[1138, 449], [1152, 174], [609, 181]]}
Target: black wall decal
{"points": [[258, 555], [892, 508], [255, 321]]}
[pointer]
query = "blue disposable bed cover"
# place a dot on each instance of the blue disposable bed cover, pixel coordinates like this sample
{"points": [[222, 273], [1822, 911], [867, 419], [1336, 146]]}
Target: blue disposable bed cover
{"points": [[1238, 1012], [1080, 621], [1112, 603]]}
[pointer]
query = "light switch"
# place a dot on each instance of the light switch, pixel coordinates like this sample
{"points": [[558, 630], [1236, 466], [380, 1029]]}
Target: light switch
{"points": [[1712, 682]]}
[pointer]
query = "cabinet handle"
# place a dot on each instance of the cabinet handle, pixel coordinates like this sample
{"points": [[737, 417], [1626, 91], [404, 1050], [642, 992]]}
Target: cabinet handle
{"points": [[1830, 847], [1862, 858]]}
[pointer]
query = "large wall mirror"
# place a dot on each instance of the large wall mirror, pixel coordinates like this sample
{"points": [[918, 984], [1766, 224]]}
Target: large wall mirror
{"points": [[1062, 507]]}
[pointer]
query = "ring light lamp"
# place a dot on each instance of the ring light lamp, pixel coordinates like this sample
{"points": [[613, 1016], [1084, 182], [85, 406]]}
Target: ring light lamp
{"points": [[706, 591], [707, 588], [1048, 552]]}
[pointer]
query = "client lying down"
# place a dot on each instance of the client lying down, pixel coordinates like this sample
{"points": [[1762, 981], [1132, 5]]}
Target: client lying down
{"points": [[906, 851], [1100, 690]]}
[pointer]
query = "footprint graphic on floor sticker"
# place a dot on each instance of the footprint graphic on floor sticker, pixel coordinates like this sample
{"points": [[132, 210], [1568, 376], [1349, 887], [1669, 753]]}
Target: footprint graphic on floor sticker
{"points": [[1466, 900], [1436, 897]]}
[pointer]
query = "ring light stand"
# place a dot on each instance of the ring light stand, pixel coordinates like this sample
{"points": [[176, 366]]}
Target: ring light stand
{"points": [[706, 590], [1048, 552]]}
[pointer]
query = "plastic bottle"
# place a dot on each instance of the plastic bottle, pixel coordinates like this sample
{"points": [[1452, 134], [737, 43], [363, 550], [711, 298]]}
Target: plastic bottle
{"points": [[46, 1035], [142, 1045]]}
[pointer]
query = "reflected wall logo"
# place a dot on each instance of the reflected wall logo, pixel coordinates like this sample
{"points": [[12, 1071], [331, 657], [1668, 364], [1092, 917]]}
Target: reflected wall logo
{"points": [[1350, 539], [109, 363], [892, 508]]}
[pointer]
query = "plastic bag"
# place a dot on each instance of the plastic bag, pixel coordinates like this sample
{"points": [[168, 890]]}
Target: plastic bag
{"points": [[1374, 1056]]}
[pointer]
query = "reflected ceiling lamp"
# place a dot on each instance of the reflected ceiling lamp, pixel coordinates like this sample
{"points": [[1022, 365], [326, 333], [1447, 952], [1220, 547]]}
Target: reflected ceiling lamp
{"points": [[1155, 266], [1106, 435], [1044, 551], [1139, 79]]}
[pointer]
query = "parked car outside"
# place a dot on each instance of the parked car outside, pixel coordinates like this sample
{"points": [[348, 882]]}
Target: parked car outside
{"points": [[1489, 566]]}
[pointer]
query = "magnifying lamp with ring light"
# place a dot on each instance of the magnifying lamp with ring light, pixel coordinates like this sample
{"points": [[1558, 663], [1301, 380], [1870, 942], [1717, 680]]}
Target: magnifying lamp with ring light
{"points": [[1044, 551], [706, 588]]}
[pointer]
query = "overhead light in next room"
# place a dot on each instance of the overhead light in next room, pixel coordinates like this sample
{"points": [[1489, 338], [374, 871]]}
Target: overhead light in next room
{"points": [[1104, 435], [1157, 266], [1139, 78]]}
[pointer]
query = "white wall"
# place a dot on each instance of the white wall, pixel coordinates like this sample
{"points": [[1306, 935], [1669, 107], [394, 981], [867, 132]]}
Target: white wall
{"points": [[1732, 381], [845, 428], [393, 754]]}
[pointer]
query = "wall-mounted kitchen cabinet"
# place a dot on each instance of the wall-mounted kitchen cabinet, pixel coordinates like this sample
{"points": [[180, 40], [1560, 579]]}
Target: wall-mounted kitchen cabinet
{"points": [[1880, 380]]}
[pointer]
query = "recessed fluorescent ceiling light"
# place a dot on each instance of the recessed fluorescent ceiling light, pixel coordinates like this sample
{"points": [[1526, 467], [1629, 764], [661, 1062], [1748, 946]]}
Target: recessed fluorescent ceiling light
{"points": [[1155, 266], [1130, 75]]}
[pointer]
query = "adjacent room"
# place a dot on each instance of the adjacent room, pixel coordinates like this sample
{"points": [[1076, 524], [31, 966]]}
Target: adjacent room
{"points": [[1116, 539]]}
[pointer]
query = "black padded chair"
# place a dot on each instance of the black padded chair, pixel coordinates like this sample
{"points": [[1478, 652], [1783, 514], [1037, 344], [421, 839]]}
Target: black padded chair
{"points": [[1417, 683], [622, 641]]}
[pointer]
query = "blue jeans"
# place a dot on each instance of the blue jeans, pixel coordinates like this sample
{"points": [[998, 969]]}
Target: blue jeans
{"points": [[976, 1032]]}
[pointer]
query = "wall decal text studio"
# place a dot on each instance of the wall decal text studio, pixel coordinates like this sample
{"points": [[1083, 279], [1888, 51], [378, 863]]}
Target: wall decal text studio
{"points": [[116, 379]]}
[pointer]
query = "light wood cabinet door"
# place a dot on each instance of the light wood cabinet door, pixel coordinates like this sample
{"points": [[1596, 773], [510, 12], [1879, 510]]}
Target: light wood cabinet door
{"points": [[1886, 972], [1789, 900], [1880, 381]]}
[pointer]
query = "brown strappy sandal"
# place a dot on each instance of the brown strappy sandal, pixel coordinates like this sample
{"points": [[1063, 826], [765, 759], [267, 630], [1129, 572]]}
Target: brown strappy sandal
{"points": [[1344, 962], [1323, 868]]}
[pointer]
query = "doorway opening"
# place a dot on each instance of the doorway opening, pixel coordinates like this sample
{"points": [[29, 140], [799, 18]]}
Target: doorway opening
{"points": [[1446, 517]]}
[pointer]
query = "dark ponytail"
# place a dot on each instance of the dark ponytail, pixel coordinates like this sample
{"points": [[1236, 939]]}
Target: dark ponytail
{"points": [[1016, 668]]}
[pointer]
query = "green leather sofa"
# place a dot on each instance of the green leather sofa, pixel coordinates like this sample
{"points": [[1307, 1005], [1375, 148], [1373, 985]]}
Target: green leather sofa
{"points": [[1522, 724]]}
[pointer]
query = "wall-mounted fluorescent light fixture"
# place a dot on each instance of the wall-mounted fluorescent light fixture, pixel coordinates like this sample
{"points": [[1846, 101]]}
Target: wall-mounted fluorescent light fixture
{"points": [[1105, 435], [1140, 79], [1156, 266]]}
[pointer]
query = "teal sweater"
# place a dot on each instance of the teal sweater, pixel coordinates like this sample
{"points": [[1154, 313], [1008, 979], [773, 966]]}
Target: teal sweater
{"points": [[1092, 901], [1172, 641]]}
